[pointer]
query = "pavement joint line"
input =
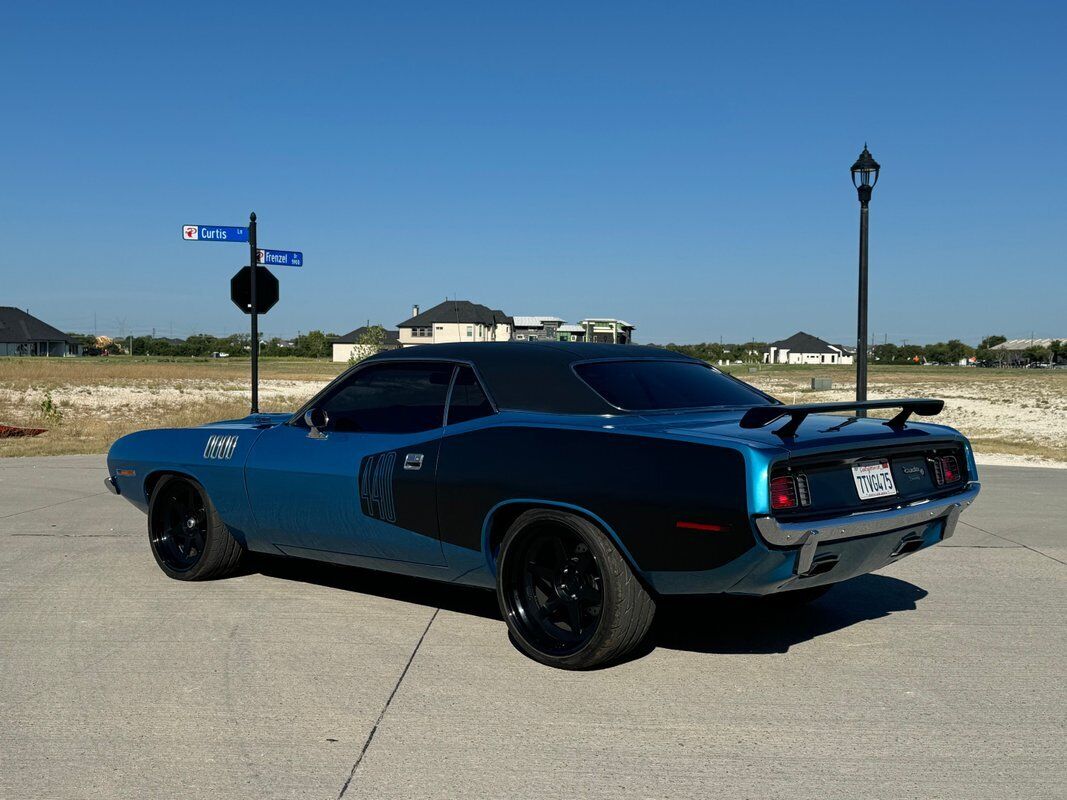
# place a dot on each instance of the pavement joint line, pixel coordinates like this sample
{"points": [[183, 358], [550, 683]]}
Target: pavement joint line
{"points": [[1006, 539], [389, 700], [53, 505]]}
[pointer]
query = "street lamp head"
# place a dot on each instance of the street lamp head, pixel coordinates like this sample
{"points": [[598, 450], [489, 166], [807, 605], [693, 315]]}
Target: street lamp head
{"points": [[865, 170]]}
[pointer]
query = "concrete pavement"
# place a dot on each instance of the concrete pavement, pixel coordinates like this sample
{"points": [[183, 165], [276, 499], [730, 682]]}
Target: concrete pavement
{"points": [[941, 676]]}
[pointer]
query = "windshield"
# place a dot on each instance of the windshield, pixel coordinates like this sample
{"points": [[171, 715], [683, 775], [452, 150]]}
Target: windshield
{"points": [[659, 385]]}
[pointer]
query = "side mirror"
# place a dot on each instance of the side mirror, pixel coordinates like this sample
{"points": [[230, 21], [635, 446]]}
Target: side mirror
{"points": [[316, 419]]}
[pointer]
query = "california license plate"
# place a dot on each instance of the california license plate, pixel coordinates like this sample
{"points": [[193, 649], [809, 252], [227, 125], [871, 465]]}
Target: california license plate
{"points": [[874, 479]]}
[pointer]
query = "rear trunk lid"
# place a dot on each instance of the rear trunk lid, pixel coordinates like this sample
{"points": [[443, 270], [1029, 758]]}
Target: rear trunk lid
{"points": [[826, 449]]}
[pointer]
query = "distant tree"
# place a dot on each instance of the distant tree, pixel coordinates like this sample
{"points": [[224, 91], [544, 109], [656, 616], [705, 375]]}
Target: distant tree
{"points": [[1058, 351], [937, 353], [911, 353], [991, 341], [1036, 354], [957, 351], [313, 344], [368, 343], [886, 353], [706, 351]]}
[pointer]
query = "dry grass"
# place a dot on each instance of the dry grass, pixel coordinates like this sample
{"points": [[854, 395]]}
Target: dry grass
{"points": [[100, 399], [1014, 412]]}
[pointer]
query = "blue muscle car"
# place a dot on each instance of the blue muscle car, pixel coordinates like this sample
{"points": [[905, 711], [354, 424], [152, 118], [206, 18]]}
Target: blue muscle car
{"points": [[579, 481]]}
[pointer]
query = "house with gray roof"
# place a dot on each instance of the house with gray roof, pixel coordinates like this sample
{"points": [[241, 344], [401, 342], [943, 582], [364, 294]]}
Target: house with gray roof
{"points": [[803, 348], [24, 335], [455, 321]]}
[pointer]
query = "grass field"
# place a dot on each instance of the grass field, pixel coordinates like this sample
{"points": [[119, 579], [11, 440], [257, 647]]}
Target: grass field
{"points": [[86, 403]]}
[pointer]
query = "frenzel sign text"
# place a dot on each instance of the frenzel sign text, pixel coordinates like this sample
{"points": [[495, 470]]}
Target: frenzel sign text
{"points": [[214, 233], [280, 258]]}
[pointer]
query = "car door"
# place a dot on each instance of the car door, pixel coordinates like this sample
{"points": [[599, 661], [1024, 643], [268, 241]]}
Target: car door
{"points": [[363, 484]]}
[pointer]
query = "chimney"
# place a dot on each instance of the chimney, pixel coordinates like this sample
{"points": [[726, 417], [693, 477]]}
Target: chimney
{"points": [[414, 311]]}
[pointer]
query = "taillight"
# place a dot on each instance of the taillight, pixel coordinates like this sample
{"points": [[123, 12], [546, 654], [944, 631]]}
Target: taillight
{"points": [[783, 492], [946, 469], [950, 468]]}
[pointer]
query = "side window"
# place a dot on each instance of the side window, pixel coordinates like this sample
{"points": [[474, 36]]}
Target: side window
{"points": [[390, 398], [468, 398]]}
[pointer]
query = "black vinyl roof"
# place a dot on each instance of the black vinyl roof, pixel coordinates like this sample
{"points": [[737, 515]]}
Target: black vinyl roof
{"points": [[535, 376]]}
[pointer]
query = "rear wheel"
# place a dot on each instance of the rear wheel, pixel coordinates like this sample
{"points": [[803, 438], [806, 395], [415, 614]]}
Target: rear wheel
{"points": [[568, 596], [189, 540]]}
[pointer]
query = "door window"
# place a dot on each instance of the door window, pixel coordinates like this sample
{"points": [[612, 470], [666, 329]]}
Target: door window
{"points": [[468, 398], [390, 398]]}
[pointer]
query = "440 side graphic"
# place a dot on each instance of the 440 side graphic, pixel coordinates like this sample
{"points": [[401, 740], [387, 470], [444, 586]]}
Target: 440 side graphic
{"points": [[376, 489]]}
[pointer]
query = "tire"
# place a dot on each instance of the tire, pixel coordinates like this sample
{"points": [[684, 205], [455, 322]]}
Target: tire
{"points": [[797, 597], [552, 562], [183, 550]]}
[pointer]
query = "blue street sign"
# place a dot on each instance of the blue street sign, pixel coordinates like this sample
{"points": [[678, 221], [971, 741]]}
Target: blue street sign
{"points": [[280, 258], [214, 233]]}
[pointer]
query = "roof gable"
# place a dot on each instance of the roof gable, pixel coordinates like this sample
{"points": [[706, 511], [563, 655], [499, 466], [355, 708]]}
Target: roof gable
{"points": [[801, 342], [458, 312], [353, 337], [17, 326]]}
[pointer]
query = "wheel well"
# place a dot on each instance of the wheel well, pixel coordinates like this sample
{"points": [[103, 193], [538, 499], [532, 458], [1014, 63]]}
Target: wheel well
{"points": [[505, 515], [155, 477]]}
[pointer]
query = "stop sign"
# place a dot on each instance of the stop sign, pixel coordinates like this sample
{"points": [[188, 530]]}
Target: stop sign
{"points": [[266, 290]]}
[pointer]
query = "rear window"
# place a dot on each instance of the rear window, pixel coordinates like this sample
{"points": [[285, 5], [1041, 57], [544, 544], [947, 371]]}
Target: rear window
{"points": [[657, 385]]}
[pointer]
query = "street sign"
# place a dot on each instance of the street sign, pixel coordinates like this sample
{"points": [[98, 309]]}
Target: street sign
{"points": [[266, 290], [214, 233], [281, 258]]}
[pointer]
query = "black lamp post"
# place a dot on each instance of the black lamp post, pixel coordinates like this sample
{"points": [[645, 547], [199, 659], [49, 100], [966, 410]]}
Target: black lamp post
{"points": [[864, 177]]}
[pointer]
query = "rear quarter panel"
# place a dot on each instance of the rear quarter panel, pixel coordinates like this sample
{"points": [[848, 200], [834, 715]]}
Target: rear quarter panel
{"points": [[639, 486]]}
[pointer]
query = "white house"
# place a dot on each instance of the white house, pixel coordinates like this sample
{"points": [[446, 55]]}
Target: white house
{"points": [[455, 321], [607, 330], [803, 348], [351, 344]]}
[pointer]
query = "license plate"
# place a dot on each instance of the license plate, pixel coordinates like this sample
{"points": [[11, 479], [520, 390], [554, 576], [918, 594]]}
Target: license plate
{"points": [[874, 479]]}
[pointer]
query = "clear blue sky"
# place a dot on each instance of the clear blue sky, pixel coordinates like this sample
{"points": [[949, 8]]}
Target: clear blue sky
{"points": [[683, 166]]}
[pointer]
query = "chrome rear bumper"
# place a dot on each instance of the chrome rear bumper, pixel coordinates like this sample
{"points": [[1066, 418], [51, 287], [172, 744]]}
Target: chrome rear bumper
{"points": [[808, 535]]}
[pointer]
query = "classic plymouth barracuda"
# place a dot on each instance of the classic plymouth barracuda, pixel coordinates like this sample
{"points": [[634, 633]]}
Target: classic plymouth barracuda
{"points": [[579, 481]]}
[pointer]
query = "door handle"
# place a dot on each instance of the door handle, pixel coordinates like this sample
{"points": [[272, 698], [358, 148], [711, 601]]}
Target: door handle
{"points": [[413, 461]]}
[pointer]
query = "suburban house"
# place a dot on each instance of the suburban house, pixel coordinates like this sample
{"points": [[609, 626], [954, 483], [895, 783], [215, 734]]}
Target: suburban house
{"points": [[353, 344], [606, 331], [803, 348], [25, 335], [571, 333], [1012, 350], [455, 321], [534, 329]]}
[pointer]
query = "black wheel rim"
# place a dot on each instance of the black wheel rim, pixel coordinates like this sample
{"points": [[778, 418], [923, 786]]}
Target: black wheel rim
{"points": [[554, 589], [179, 529]]}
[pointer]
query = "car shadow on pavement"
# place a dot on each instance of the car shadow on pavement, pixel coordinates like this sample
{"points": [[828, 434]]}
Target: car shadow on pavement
{"points": [[721, 624], [433, 594], [701, 624]]}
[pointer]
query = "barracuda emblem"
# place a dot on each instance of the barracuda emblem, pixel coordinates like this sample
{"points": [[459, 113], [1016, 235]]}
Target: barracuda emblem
{"points": [[220, 447]]}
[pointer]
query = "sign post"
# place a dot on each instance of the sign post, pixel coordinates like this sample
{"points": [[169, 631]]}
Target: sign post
{"points": [[254, 262], [285, 258]]}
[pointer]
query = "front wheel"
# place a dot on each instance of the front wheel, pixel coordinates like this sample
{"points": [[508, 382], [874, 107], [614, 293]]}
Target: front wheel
{"points": [[189, 540], [568, 596]]}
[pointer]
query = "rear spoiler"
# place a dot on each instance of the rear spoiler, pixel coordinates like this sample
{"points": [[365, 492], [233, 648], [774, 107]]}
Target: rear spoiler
{"points": [[759, 416]]}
